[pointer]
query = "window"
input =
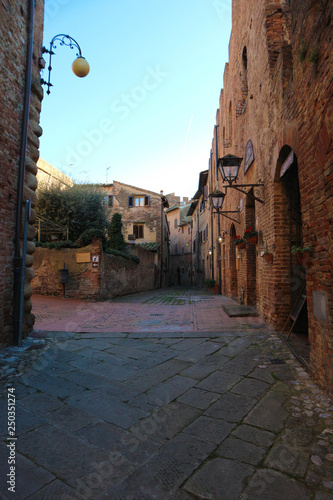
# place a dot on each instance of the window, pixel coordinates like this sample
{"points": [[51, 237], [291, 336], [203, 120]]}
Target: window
{"points": [[110, 200], [138, 230], [139, 201], [176, 249], [176, 223], [189, 230], [183, 250], [182, 229]]}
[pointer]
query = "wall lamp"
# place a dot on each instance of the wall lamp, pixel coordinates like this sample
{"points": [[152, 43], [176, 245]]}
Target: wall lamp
{"points": [[80, 66], [229, 166], [217, 198]]}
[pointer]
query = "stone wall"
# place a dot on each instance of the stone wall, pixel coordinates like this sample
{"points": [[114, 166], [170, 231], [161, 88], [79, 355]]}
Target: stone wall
{"points": [[13, 49], [114, 276]]}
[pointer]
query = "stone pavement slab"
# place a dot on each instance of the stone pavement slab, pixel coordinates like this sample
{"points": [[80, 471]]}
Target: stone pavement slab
{"points": [[220, 478], [157, 411]]}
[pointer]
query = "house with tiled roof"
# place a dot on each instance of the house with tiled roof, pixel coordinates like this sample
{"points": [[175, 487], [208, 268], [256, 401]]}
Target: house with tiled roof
{"points": [[144, 221]]}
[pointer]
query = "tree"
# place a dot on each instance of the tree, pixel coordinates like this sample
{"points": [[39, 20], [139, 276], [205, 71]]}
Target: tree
{"points": [[116, 238], [80, 207]]}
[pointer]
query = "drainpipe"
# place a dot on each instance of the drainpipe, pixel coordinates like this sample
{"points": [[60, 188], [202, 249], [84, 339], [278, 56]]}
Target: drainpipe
{"points": [[21, 171]]}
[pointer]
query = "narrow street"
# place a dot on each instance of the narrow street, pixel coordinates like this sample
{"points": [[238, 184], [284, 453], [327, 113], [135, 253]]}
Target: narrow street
{"points": [[169, 394]]}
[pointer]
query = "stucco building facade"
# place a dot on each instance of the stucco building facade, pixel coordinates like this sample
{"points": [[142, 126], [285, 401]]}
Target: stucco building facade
{"points": [[180, 250]]}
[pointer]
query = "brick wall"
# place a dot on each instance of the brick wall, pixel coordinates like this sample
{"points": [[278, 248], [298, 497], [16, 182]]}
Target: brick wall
{"points": [[13, 48], [113, 276], [277, 92]]}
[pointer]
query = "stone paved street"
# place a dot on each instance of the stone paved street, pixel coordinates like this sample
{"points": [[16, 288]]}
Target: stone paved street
{"points": [[162, 395]]}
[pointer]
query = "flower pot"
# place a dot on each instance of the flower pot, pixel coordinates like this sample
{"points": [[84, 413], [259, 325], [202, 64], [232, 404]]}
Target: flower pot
{"points": [[304, 259], [268, 257], [252, 240], [240, 246]]}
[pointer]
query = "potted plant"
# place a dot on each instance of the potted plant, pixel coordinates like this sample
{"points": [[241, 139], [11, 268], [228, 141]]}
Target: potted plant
{"points": [[250, 236], [239, 241], [211, 285], [302, 254], [268, 257]]}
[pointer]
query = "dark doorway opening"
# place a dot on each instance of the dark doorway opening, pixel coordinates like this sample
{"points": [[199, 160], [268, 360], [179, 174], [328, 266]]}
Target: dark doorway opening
{"points": [[298, 339]]}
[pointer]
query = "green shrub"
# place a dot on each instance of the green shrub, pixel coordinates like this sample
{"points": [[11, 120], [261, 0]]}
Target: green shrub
{"points": [[116, 238], [55, 244], [92, 234], [79, 208], [128, 256]]}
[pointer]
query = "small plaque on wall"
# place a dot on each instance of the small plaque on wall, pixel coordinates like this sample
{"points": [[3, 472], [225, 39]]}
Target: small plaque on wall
{"points": [[249, 156], [83, 257], [95, 260]]}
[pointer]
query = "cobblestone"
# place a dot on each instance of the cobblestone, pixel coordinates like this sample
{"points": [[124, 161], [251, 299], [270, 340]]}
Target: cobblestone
{"points": [[227, 413]]}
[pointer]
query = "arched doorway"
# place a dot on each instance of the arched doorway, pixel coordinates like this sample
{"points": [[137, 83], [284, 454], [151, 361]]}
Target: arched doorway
{"points": [[251, 260], [233, 264], [291, 236]]}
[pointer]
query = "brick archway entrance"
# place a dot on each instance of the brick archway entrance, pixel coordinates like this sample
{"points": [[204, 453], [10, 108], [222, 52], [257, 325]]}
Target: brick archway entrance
{"points": [[233, 264], [289, 232]]}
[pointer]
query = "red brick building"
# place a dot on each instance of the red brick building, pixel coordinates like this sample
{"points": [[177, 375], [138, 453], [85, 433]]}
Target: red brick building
{"points": [[276, 113], [20, 24]]}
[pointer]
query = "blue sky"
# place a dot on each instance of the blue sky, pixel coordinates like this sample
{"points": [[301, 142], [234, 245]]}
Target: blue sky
{"points": [[145, 113]]}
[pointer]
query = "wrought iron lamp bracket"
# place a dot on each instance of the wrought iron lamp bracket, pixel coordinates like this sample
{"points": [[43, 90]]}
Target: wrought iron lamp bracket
{"points": [[231, 212], [259, 191], [63, 40]]}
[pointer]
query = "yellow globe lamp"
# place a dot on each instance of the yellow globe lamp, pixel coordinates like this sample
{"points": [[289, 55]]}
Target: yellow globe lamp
{"points": [[80, 67]]}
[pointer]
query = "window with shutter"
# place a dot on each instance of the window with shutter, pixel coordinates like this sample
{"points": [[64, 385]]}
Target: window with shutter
{"points": [[110, 200], [147, 201], [138, 230], [131, 201]]}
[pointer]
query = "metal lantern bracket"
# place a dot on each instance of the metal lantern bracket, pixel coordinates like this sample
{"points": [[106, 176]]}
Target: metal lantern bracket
{"points": [[231, 212], [63, 40], [217, 209], [260, 185]]}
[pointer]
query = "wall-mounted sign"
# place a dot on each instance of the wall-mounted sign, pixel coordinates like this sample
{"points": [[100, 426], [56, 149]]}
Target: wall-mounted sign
{"points": [[95, 260], [287, 163], [249, 156], [83, 257]]}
